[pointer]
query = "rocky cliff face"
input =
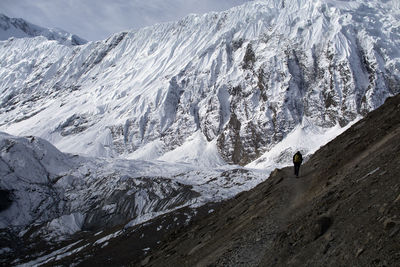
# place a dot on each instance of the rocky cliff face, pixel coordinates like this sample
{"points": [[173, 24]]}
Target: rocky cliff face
{"points": [[244, 78]]}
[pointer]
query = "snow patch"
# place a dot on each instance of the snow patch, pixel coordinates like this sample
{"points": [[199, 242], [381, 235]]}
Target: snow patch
{"points": [[67, 224], [108, 237], [110, 208], [306, 138], [196, 150]]}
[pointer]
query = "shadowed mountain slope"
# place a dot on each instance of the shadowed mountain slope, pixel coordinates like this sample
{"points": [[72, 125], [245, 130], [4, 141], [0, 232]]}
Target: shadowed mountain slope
{"points": [[343, 210]]}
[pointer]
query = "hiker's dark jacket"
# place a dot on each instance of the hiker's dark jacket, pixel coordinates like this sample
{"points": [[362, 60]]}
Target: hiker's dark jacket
{"points": [[299, 160]]}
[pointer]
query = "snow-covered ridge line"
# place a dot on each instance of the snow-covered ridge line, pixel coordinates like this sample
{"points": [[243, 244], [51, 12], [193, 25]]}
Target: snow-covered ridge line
{"points": [[19, 28], [244, 78]]}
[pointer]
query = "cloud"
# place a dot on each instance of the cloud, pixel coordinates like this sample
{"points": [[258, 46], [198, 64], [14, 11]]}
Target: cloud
{"points": [[97, 19]]}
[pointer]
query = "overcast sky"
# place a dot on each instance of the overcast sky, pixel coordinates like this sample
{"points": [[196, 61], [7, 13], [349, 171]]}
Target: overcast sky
{"points": [[98, 19]]}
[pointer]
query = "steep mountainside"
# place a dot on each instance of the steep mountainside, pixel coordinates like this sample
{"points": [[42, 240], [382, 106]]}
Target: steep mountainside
{"points": [[242, 79], [19, 28], [343, 210]]}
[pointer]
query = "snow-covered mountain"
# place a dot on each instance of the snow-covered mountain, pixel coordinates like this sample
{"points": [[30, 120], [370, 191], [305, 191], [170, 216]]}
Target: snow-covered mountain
{"points": [[155, 114], [19, 28], [243, 78]]}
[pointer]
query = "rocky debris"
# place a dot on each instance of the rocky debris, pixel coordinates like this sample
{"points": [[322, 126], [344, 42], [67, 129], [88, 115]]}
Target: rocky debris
{"points": [[343, 210]]}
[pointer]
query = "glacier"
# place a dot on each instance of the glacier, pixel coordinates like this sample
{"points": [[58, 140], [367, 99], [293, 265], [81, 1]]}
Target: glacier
{"points": [[64, 193], [53, 196]]}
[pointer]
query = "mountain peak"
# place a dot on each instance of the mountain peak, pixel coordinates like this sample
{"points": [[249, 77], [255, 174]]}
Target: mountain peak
{"points": [[20, 28]]}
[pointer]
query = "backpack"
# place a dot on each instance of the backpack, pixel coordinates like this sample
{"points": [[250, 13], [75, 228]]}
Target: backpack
{"points": [[297, 158]]}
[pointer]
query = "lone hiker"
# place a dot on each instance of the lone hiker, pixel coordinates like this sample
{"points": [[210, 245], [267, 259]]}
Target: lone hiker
{"points": [[297, 160]]}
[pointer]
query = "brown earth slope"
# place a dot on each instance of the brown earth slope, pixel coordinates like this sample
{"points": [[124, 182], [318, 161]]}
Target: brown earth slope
{"points": [[344, 210]]}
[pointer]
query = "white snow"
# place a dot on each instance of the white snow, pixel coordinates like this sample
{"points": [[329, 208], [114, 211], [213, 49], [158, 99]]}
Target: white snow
{"points": [[306, 138], [19, 28], [149, 151], [67, 224], [57, 254], [195, 150], [110, 208], [108, 237]]}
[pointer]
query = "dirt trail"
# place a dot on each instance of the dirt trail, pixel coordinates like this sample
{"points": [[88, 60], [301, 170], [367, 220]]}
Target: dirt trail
{"points": [[295, 191]]}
